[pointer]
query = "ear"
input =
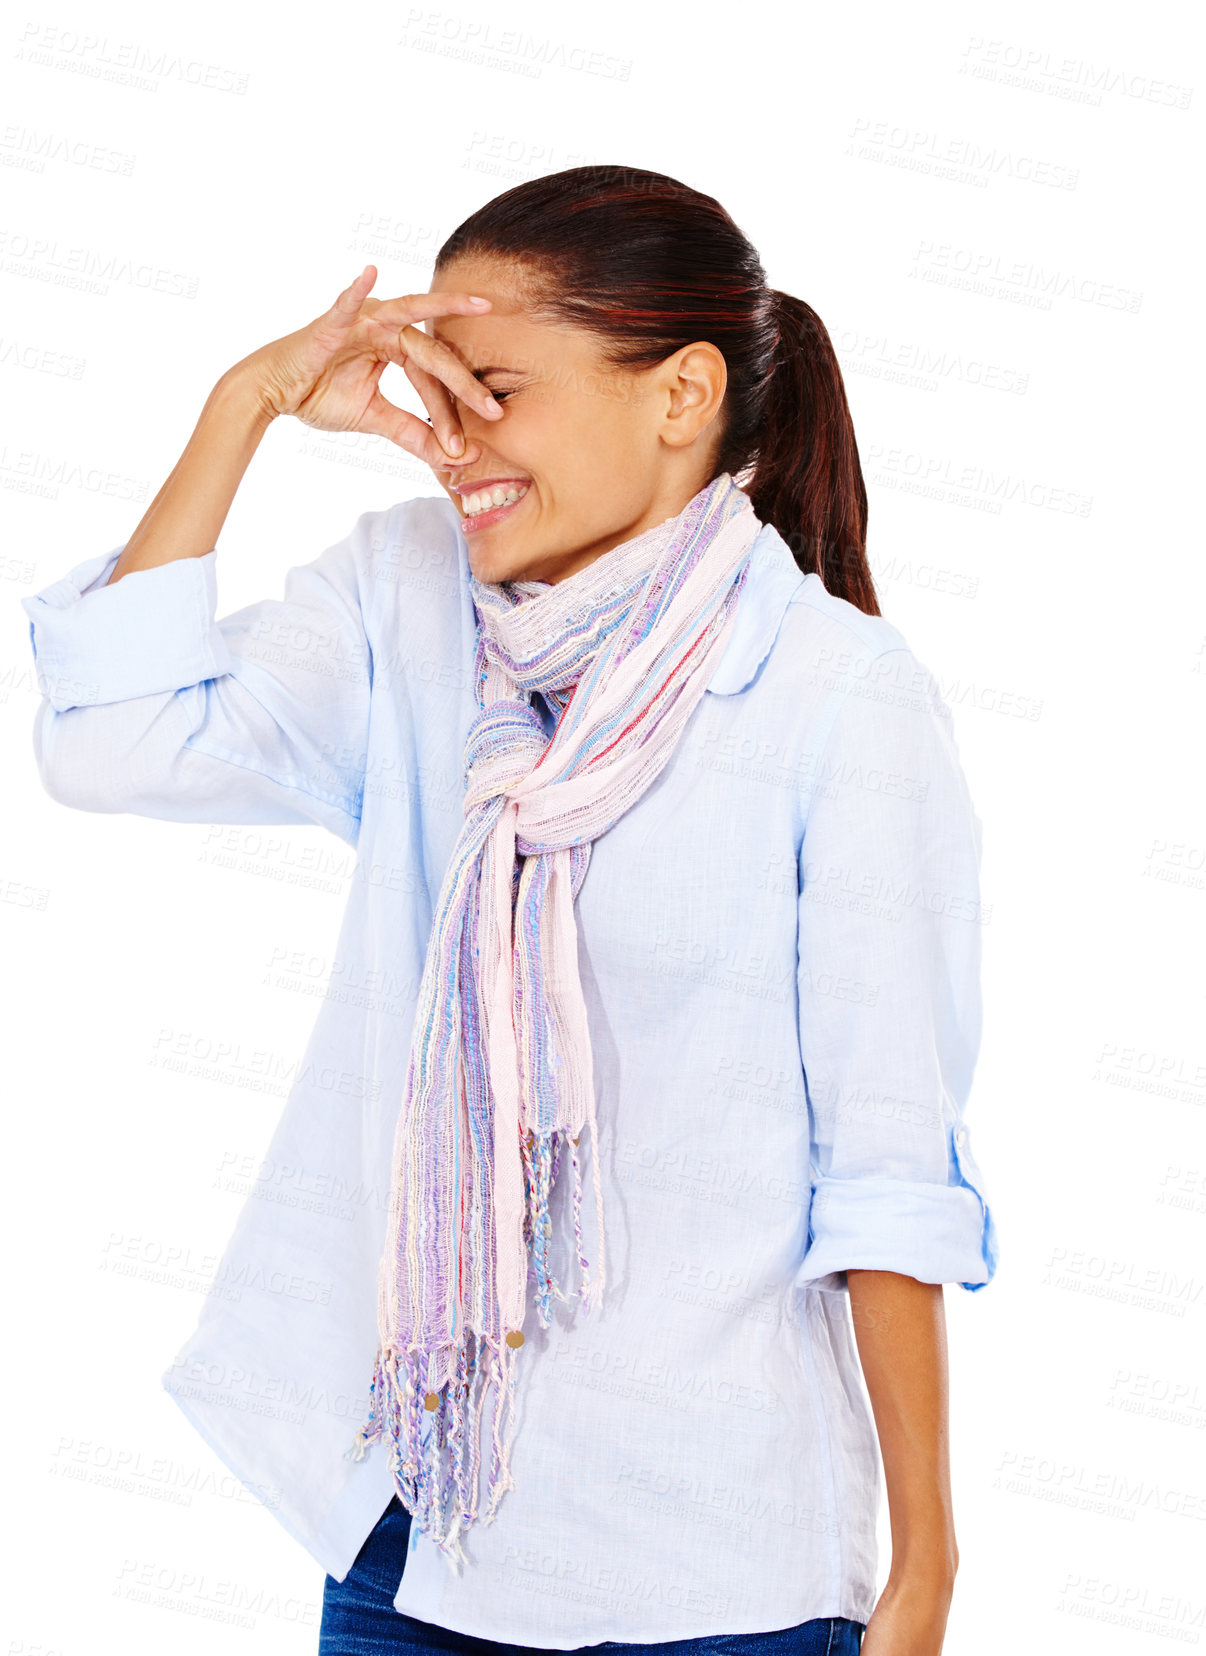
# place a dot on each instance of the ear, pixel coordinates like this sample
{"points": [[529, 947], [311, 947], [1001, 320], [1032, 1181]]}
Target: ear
{"points": [[694, 381]]}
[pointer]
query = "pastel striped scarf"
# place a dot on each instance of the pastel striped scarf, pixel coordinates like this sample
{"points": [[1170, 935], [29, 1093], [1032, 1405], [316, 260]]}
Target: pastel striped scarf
{"points": [[500, 1084]]}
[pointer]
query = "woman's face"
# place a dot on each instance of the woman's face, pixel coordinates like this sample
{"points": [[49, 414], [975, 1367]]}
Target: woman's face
{"points": [[595, 454]]}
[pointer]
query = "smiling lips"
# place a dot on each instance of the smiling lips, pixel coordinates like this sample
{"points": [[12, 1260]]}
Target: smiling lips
{"points": [[477, 498]]}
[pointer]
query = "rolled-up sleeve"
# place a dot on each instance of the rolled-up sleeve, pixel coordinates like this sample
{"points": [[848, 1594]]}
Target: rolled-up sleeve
{"points": [[154, 706], [890, 926]]}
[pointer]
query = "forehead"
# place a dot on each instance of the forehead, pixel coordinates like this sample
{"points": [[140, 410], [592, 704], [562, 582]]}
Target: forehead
{"points": [[480, 341], [508, 282], [505, 342], [490, 279], [509, 335]]}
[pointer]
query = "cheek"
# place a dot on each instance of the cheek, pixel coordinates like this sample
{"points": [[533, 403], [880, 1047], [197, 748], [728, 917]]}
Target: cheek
{"points": [[602, 426]]}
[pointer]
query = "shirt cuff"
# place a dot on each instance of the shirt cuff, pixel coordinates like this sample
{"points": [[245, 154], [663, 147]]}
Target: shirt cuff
{"points": [[154, 631], [936, 1233]]}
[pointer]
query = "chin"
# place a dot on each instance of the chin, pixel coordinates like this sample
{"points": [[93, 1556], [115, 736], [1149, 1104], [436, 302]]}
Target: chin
{"points": [[494, 568]]}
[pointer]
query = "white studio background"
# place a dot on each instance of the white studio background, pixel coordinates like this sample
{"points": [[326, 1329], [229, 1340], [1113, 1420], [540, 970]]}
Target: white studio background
{"points": [[989, 207]]}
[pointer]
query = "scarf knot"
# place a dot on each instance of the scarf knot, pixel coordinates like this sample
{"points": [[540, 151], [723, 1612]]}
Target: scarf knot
{"points": [[505, 743]]}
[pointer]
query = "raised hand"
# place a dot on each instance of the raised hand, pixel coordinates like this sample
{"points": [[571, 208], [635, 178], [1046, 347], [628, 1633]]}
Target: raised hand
{"points": [[327, 373]]}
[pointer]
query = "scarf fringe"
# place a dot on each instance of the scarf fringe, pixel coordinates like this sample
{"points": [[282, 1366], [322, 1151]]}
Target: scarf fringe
{"points": [[436, 1478], [541, 1161]]}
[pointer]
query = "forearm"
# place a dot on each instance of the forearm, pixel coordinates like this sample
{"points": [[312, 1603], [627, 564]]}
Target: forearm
{"points": [[900, 1328], [186, 516]]}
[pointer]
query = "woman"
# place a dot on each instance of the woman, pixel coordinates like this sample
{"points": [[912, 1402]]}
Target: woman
{"points": [[635, 1103]]}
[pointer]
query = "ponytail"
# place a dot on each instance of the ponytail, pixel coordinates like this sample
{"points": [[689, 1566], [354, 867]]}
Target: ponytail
{"points": [[806, 476]]}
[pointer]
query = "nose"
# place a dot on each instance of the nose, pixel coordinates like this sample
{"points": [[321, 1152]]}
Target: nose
{"points": [[451, 465]]}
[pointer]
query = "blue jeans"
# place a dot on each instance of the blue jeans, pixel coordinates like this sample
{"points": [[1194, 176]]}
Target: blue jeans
{"points": [[359, 1619]]}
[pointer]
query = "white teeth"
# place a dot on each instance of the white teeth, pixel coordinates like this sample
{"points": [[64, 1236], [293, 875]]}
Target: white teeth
{"points": [[486, 499]]}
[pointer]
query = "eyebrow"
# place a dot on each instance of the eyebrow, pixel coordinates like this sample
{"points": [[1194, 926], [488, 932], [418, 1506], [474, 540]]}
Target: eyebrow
{"points": [[494, 368]]}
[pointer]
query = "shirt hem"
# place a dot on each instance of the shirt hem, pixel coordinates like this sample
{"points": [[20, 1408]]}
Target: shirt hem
{"points": [[645, 1633]]}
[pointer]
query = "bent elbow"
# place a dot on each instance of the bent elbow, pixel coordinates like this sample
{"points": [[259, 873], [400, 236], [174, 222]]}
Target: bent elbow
{"points": [[92, 758], [68, 759]]}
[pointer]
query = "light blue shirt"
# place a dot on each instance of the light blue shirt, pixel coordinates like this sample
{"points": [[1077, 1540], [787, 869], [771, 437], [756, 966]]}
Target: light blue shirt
{"points": [[779, 945]]}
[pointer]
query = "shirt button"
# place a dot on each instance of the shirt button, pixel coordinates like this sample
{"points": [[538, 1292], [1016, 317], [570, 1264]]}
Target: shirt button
{"points": [[961, 1135]]}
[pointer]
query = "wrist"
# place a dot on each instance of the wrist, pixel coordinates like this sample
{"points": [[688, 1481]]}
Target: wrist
{"points": [[930, 1569], [241, 394]]}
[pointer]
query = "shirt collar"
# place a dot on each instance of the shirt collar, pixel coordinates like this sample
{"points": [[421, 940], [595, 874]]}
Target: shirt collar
{"points": [[773, 579]]}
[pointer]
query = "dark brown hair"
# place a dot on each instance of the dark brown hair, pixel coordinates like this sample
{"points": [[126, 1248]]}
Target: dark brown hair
{"points": [[650, 265]]}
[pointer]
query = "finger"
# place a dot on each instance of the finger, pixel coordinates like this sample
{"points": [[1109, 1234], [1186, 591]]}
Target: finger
{"points": [[437, 399], [407, 431], [440, 405], [423, 307], [443, 363], [438, 358], [346, 309], [395, 345]]}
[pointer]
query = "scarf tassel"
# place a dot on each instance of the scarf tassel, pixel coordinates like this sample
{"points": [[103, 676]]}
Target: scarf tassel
{"points": [[437, 1479], [541, 1161]]}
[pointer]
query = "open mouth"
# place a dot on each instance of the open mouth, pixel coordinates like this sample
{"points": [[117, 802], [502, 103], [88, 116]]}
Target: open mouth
{"points": [[490, 503]]}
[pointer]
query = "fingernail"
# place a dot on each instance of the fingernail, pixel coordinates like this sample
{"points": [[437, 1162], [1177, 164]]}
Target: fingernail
{"points": [[456, 445], [475, 300]]}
